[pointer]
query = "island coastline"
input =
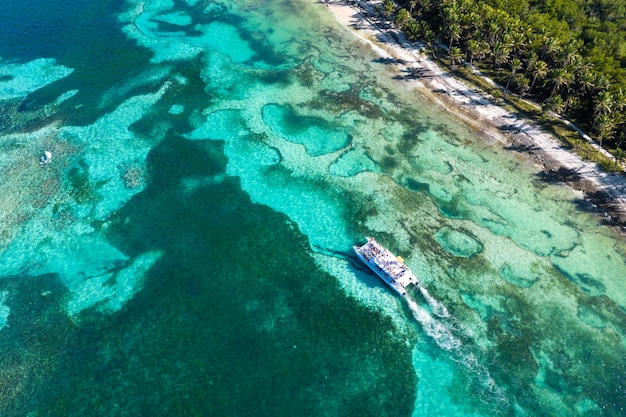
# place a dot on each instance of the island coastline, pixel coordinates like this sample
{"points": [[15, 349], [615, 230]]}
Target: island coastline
{"points": [[602, 192]]}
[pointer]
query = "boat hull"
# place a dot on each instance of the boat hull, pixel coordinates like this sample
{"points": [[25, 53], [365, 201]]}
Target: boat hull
{"points": [[381, 274], [392, 270]]}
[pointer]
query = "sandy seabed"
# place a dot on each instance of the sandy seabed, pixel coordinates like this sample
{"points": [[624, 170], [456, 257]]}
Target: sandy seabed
{"points": [[605, 191]]}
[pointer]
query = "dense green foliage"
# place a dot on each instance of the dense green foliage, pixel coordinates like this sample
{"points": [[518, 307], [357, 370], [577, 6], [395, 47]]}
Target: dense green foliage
{"points": [[569, 55]]}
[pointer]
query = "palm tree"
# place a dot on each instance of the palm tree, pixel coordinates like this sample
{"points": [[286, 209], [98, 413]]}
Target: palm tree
{"points": [[531, 59], [580, 64], [500, 53], [473, 46], [515, 65], [449, 13], [619, 99], [569, 53], [455, 54], [602, 109], [529, 35], [603, 103], [560, 77], [605, 127], [471, 21], [483, 50], [430, 38], [411, 29], [601, 83], [507, 41], [389, 8], [554, 104], [522, 83], [402, 17], [493, 30], [423, 4], [550, 46], [586, 81], [518, 42], [571, 102], [424, 27], [454, 32]]}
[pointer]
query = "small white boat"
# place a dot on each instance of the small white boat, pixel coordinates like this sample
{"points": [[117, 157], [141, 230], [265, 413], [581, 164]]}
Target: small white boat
{"points": [[391, 269], [46, 158]]}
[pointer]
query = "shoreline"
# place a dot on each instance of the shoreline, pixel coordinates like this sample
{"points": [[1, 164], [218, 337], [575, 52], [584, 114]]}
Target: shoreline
{"points": [[604, 193]]}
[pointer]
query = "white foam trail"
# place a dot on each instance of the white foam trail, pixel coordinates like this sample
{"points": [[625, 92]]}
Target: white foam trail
{"points": [[445, 339], [439, 309], [434, 328]]}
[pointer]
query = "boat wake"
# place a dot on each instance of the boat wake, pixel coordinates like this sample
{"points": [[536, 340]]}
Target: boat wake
{"points": [[439, 309], [444, 335], [434, 328]]}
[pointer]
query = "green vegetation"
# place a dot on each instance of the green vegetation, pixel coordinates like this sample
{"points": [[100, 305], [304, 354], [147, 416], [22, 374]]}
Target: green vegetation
{"points": [[567, 55]]}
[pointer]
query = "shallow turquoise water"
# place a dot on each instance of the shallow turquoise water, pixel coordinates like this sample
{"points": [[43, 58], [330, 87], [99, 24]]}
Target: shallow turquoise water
{"points": [[188, 250]]}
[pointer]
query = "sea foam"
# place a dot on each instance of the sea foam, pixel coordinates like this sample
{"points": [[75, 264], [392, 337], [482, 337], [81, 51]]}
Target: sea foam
{"points": [[443, 335]]}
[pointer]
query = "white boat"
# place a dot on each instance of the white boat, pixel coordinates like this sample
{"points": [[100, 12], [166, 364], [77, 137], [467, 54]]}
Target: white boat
{"points": [[46, 158], [391, 269]]}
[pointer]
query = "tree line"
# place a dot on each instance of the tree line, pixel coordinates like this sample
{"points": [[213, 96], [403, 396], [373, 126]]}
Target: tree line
{"points": [[569, 55]]}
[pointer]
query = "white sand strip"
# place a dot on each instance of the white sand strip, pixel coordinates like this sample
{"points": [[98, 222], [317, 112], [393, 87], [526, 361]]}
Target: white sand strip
{"points": [[481, 112]]}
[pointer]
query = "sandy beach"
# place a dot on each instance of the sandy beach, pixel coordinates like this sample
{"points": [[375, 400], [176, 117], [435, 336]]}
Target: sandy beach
{"points": [[600, 190]]}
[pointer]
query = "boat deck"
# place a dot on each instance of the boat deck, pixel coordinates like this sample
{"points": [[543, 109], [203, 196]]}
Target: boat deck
{"points": [[392, 270]]}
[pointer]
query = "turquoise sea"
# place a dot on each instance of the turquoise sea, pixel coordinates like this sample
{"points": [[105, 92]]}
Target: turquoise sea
{"points": [[188, 251]]}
